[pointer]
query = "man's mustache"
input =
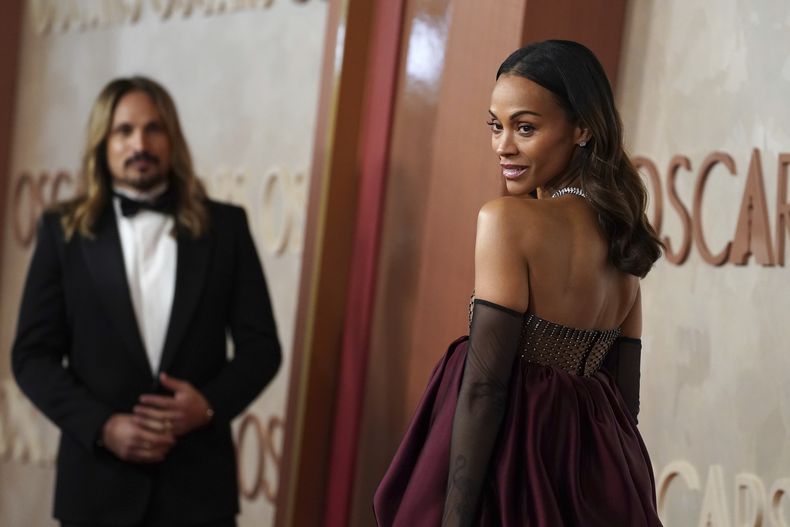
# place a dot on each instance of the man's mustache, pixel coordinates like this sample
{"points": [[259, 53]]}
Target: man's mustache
{"points": [[142, 156]]}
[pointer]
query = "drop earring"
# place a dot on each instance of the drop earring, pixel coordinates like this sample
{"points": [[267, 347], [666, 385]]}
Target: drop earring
{"points": [[582, 143]]}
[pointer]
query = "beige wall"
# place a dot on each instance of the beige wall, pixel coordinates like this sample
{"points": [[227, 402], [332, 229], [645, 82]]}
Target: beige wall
{"points": [[244, 75], [697, 78]]}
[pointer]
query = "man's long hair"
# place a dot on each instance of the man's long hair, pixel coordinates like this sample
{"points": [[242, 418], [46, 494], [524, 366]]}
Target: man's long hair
{"points": [[81, 214]]}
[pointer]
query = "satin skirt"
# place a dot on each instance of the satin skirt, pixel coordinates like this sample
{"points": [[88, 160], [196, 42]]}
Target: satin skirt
{"points": [[568, 454]]}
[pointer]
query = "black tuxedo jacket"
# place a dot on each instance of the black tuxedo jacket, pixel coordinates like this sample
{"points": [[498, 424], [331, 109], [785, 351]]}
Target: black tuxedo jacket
{"points": [[79, 356]]}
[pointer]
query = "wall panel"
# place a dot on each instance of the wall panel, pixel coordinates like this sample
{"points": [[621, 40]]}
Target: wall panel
{"points": [[694, 82], [442, 170]]}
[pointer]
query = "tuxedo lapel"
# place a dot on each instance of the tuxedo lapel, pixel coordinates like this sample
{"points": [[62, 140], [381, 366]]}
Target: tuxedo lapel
{"points": [[191, 267], [104, 258]]}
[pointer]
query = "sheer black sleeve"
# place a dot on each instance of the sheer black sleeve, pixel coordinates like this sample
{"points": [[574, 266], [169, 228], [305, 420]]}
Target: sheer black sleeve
{"points": [[493, 345], [623, 362]]}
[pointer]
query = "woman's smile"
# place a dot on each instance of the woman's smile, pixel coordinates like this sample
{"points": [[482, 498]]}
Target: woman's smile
{"points": [[513, 171]]}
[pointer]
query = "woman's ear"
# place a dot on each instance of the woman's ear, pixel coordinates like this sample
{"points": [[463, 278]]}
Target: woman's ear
{"points": [[582, 136]]}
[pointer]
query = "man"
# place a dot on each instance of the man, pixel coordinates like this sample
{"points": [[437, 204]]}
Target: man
{"points": [[121, 339]]}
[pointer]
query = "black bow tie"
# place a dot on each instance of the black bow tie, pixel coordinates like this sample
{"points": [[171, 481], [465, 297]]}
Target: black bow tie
{"points": [[164, 203]]}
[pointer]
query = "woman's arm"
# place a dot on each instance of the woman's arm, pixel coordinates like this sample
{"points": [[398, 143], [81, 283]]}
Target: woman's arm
{"points": [[502, 291], [632, 325], [624, 359]]}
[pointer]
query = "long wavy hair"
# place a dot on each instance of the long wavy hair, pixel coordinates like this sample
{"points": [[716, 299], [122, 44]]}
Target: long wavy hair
{"points": [[80, 215], [612, 184]]}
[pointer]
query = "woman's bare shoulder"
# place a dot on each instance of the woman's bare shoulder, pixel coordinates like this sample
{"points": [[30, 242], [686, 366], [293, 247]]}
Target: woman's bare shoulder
{"points": [[511, 218], [500, 262], [508, 205]]}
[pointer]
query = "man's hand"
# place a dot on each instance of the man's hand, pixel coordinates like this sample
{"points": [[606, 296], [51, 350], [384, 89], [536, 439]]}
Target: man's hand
{"points": [[129, 441], [178, 414]]}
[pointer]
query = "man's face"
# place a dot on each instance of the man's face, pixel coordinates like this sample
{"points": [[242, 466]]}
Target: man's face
{"points": [[138, 148]]}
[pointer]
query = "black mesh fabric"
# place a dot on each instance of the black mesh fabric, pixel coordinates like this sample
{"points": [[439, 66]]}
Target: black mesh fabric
{"points": [[577, 351], [494, 339], [623, 363]]}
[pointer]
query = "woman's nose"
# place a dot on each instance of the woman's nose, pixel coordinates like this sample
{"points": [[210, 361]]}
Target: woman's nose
{"points": [[504, 144]]}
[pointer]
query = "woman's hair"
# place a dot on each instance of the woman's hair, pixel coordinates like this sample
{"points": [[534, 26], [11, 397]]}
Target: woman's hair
{"points": [[81, 214], [612, 184]]}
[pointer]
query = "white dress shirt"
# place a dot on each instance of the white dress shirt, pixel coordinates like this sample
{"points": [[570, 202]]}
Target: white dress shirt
{"points": [[149, 255]]}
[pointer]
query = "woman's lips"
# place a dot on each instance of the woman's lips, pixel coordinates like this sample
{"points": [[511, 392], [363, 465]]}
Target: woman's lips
{"points": [[513, 171]]}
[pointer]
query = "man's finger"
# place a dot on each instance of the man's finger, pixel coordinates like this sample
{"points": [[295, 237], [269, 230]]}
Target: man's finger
{"points": [[154, 413], [174, 383], [153, 425], [153, 439], [162, 402]]}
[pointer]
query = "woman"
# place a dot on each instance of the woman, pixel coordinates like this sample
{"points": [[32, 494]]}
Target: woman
{"points": [[523, 423]]}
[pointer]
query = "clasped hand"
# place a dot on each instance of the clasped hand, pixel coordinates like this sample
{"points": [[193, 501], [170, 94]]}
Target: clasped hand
{"points": [[147, 435]]}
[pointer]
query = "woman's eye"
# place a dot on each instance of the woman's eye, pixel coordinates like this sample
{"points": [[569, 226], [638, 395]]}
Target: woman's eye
{"points": [[494, 125], [525, 129]]}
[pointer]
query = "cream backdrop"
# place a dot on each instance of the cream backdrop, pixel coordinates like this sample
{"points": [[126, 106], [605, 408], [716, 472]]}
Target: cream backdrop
{"points": [[699, 77], [245, 77]]}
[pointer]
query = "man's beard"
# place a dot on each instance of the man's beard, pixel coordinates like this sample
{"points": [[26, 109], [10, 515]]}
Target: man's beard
{"points": [[143, 181]]}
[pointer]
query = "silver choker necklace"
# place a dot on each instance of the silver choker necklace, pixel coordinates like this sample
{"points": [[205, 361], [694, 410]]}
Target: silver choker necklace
{"points": [[569, 190]]}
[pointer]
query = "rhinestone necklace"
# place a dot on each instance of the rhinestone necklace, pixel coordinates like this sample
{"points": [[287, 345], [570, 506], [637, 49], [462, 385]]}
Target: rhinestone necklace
{"points": [[569, 190]]}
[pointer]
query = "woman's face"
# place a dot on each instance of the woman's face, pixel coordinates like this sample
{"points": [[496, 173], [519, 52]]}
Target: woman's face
{"points": [[530, 134]]}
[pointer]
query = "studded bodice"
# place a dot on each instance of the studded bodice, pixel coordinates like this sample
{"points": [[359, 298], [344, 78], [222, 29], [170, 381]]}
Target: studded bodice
{"points": [[577, 351]]}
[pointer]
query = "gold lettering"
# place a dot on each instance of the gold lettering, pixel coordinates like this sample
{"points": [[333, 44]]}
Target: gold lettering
{"points": [[753, 234], [86, 15], [779, 490], [25, 209], [269, 488], [62, 178], [750, 497], [247, 422], [134, 11], [70, 15], [264, 448], [655, 183], [276, 227], [31, 198], [214, 7], [188, 5], [44, 14], [163, 8], [674, 470], [108, 16], [221, 6], [678, 258], [749, 500], [707, 166], [238, 5], [782, 208], [88, 19], [298, 202]]}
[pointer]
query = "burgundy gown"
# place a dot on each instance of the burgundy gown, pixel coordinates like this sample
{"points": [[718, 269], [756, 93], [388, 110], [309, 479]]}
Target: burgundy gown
{"points": [[568, 452]]}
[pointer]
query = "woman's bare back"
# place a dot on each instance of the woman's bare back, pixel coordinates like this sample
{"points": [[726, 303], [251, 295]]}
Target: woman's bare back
{"points": [[550, 257]]}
